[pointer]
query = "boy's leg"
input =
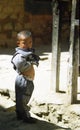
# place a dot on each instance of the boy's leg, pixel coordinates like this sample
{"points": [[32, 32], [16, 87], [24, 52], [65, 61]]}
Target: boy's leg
{"points": [[26, 97], [23, 95]]}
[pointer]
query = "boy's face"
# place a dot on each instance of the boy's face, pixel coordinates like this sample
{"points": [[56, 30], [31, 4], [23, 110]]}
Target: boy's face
{"points": [[25, 43]]}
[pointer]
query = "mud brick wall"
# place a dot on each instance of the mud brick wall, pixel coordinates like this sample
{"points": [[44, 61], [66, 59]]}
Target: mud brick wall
{"points": [[14, 18], [42, 29]]}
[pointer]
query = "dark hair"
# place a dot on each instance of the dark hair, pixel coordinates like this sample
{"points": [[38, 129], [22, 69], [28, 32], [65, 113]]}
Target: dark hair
{"points": [[26, 34]]}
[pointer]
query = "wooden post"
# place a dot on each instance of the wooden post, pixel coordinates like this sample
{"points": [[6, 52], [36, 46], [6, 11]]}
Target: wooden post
{"points": [[73, 60], [54, 67]]}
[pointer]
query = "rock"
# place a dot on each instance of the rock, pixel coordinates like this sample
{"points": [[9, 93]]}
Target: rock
{"points": [[40, 109], [74, 109]]}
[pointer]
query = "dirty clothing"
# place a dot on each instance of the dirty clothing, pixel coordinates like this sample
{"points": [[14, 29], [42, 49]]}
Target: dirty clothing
{"points": [[22, 60], [24, 89]]}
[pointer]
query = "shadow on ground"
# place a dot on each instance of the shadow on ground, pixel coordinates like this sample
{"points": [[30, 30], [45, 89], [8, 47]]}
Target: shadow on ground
{"points": [[8, 121]]}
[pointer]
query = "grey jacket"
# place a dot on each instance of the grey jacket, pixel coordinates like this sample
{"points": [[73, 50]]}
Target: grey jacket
{"points": [[23, 59]]}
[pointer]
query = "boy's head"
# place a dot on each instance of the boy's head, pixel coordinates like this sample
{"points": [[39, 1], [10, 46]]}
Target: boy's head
{"points": [[24, 39]]}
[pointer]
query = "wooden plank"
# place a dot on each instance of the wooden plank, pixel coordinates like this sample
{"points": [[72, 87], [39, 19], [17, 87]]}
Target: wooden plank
{"points": [[77, 22], [72, 75], [54, 65]]}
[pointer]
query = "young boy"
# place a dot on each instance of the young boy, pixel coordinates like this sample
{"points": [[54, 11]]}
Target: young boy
{"points": [[23, 61]]}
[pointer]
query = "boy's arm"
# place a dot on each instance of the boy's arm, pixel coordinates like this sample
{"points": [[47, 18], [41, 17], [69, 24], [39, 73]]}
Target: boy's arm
{"points": [[20, 63]]}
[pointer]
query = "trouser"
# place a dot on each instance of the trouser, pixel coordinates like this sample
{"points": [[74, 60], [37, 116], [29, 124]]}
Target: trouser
{"points": [[23, 89]]}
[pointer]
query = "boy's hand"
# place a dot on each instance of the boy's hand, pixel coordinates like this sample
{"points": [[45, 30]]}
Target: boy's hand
{"points": [[34, 59]]}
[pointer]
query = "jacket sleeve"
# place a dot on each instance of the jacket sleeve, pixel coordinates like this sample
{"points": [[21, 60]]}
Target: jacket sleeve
{"points": [[21, 63]]}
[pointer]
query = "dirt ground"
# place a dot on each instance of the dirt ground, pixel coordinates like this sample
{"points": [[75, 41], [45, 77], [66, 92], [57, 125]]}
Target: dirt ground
{"points": [[8, 120], [49, 120]]}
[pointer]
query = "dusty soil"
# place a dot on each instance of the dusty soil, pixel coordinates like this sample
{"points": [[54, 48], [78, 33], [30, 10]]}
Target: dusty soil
{"points": [[50, 109], [8, 120], [49, 116]]}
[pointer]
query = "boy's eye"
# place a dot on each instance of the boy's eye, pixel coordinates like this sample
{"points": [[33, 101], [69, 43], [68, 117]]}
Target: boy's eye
{"points": [[23, 41]]}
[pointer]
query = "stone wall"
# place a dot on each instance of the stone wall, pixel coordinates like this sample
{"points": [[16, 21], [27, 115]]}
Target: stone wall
{"points": [[14, 18], [42, 29]]}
